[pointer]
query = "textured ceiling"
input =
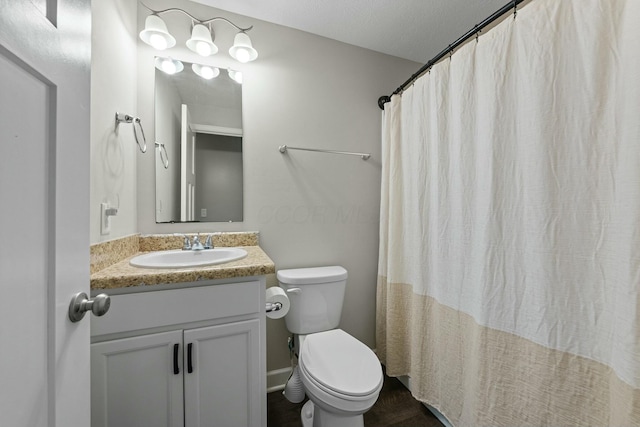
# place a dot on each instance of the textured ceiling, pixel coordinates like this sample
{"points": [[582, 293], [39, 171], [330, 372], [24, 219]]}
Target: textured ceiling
{"points": [[412, 29]]}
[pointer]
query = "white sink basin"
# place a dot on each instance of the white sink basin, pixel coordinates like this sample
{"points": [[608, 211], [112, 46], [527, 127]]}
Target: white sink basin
{"points": [[184, 259]]}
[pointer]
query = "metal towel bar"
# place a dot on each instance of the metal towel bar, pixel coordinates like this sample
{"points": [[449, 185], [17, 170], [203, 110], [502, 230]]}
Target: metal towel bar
{"points": [[365, 156]]}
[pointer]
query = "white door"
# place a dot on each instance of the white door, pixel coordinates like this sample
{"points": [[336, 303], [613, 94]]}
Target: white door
{"points": [[137, 381], [187, 172], [44, 221], [222, 375]]}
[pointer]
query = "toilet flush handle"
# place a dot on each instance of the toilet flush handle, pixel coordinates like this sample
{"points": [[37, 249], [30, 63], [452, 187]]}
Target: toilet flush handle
{"points": [[294, 291]]}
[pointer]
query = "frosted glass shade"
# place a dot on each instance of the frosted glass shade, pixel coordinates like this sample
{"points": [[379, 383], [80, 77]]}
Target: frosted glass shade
{"points": [[235, 76], [242, 49], [168, 65], [201, 41], [155, 33], [205, 71]]}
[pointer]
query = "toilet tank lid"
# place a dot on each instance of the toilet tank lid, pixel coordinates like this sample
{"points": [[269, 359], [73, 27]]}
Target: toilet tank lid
{"points": [[308, 276]]}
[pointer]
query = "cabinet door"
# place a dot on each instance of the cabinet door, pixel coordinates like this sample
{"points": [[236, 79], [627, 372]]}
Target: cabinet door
{"points": [[223, 387], [134, 384]]}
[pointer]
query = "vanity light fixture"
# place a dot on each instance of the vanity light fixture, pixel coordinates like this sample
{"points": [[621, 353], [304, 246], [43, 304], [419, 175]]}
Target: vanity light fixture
{"points": [[201, 41], [205, 71], [242, 49], [155, 33], [202, 38], [169, 65], [235, 75]]}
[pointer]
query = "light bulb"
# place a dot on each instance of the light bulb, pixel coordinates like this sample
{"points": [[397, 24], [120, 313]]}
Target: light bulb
{"points": [[203, 48], [158, 42], [235, 75], [242, 55], [207, 73], [168, 66]]}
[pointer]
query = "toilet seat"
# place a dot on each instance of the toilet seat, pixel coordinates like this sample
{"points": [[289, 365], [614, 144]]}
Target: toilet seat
{"points": [[340, 365]]}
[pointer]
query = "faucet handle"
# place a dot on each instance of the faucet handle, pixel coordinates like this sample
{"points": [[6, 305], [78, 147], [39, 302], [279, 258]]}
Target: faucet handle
{"points": [[208, 244], [186, 245]]}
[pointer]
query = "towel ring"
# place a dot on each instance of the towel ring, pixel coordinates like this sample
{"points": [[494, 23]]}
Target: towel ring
{"points": [[142, 147], [164, 157], [125, 118]]}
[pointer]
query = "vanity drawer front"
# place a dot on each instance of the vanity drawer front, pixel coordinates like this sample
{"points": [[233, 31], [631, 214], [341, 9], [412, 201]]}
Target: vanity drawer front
{"points": [[131, 312]]}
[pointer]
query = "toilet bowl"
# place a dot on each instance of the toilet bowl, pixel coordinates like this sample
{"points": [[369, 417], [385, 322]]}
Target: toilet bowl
{"points": [[341, 376]]}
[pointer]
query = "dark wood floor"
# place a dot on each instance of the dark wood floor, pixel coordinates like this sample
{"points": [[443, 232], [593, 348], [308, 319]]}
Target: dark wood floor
{"points": [[395, 408]]}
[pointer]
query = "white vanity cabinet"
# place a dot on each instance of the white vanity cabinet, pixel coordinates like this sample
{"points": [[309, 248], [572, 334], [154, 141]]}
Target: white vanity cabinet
{"points": [[193, 356], [133, 384], [219, 387]]}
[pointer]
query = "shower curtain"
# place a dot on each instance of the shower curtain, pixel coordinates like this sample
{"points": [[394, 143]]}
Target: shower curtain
{"points": [[509, 268]]}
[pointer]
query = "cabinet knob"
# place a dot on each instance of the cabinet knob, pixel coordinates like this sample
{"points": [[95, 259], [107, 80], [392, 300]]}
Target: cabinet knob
{"points": [[80, 304]]}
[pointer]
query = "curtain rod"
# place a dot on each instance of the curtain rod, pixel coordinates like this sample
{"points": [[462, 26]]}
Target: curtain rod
{"points": [[511, 6]]}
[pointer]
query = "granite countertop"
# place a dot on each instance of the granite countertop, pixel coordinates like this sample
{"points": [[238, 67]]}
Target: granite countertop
{"points": [[122, 275]]}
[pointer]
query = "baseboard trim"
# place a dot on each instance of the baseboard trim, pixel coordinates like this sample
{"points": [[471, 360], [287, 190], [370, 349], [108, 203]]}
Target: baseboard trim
{"points": [[406, 381], [277, 379]]}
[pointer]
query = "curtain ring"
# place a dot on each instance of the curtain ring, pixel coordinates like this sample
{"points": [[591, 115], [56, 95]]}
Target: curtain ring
{"points": [[515, 8], [477, 33]]}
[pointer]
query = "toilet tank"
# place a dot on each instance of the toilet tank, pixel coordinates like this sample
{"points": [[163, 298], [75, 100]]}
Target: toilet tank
{"points": [[316, 295]]}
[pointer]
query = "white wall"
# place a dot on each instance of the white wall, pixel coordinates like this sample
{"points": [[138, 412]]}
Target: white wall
{"points": [[113, 88], [311, 209], [219, 175]]}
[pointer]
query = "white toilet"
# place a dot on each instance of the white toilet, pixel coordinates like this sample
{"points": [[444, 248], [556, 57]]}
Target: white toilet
{"points": [[341, 376]]}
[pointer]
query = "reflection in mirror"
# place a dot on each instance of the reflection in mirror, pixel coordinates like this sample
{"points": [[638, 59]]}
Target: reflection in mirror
{"points": [[198, 124]]}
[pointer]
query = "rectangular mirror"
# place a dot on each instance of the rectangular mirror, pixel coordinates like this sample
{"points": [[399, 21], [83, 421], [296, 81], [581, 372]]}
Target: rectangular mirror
{"points": [[198, 147]]}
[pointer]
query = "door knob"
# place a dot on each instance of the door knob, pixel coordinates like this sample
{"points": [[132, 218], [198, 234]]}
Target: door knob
{"points": [[80, 304]]}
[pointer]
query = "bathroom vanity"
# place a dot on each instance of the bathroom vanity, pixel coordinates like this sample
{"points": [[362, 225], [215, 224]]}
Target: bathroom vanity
{"points": [[182, 346]]}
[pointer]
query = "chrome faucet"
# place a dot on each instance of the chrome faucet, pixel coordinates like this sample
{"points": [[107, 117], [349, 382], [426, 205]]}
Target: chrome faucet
{"points": [[195, 244]]}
